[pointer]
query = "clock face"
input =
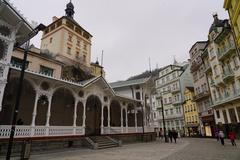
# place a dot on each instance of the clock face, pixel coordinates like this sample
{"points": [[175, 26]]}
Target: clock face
{"points": [[3, 49]]}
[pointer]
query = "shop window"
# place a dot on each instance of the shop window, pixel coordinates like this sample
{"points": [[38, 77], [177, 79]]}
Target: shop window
{"points": [[232, 115], [225, 116]]}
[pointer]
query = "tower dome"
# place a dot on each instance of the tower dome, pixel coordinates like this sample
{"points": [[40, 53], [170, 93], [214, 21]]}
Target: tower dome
{"points": [[69, 9]]}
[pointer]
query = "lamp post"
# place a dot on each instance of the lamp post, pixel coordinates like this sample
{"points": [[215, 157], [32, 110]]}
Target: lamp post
{"points": [[40, 27], [163, 118]]}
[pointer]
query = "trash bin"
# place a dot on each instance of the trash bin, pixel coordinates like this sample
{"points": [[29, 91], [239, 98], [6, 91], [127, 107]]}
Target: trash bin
{"points": [[26, 149]]}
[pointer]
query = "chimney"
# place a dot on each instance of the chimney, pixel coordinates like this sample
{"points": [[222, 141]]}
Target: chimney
{"points": [[54, 18]]}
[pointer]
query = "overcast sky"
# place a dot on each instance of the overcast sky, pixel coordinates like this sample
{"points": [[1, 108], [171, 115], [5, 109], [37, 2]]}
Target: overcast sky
{"points": [[131, 31]]}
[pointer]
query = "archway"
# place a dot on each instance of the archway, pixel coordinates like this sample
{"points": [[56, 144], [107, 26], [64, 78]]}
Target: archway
{"points": [[139, 118], [131, 115], [62, 108], [26, 102], [115, 114], [93, 116], [42, 108], [105, 116], [79, 114]]}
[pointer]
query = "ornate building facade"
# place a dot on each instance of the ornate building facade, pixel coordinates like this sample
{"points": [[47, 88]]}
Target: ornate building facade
{"points": [[222, 68]]}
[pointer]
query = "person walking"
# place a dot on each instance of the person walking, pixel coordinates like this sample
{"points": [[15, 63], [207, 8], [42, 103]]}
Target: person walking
{"points": [[175, 135], [170, 135], [217, 135], [232, 137], [221, 136]]}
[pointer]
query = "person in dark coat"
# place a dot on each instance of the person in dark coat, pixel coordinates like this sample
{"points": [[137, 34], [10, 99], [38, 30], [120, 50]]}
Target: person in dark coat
{"points": [[175, 135], [170, 135]]}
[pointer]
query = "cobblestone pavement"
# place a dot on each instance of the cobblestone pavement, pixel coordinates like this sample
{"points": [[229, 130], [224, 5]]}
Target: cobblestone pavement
{"points": [[206, 149], [185, 149]]}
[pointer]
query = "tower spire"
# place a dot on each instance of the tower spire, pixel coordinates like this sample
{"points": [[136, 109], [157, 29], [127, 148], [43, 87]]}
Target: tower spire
{"points": [[69, 9]]}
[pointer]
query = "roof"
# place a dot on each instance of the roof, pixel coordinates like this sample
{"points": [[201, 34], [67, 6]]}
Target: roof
{"points": [[197, 43], [72, 20], [10, 15], [190, 88], [218, 23], [129, 82]]}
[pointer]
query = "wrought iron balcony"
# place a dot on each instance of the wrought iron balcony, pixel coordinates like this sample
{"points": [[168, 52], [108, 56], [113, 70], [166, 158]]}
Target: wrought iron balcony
{"points": [[228, 76], [174, 90], [226, 52], [220, 37], [226, 98], [201, 96]]}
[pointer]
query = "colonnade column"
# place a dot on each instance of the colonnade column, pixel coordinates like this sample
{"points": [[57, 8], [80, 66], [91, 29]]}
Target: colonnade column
{"points": [[126, 119], [75, 117], [109, 117], [34, 113], [121, 119], [35, 109], [135, 116], [102, 128], [84, 116], [48, 113]]}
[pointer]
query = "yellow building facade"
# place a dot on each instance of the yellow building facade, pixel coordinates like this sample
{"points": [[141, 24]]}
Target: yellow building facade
{"points": [[233, 8], [192, 126]]}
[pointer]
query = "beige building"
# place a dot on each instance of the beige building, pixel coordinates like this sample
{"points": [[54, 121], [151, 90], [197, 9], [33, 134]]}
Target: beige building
{"points": [[223, 73], [191, 114], [61, 99]]}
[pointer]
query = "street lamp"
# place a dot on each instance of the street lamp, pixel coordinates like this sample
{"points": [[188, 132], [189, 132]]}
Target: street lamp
{"points": [[163, 118], [34, 32]]}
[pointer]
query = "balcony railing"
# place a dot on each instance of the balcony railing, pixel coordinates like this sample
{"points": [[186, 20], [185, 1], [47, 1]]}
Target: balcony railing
{"points": [[228, 75], [227, 97], [174, 90], [176, 102], [226, 52], [201, 96]]}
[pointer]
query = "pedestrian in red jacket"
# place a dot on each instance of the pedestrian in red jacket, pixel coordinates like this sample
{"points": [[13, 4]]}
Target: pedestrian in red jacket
{"points": [[232, 137]]}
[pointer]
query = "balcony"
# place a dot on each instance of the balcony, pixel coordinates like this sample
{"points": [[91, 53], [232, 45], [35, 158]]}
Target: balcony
{"points": [[201, 96], [211, 83], [207, 68], [226, 53], [219, 81], [175, 90], [220, 37], [229, 97], [228, 76], [176, 102], [195, 66]]}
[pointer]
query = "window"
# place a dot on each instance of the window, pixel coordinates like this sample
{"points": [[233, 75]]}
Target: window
{"points": [[77, 54], [18, 62], [170, 99], [166, 112], [225, 116], [171, 111], [84, 58], [68, 50], [218, 114], [78, 42], [46, 70], [165, 100], [51, 40], [138, 95], [238, 112], [232, 115], [85, 46], [70, 38]]}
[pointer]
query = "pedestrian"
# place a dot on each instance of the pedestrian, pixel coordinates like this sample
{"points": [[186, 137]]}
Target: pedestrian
{"points": [[232, 137], [170, 135], [160, 134], [221, 136], [175, 135], [217, 135]]}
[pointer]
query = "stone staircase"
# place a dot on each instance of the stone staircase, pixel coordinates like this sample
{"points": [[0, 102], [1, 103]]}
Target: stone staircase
{"points": [[101, 142]]}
